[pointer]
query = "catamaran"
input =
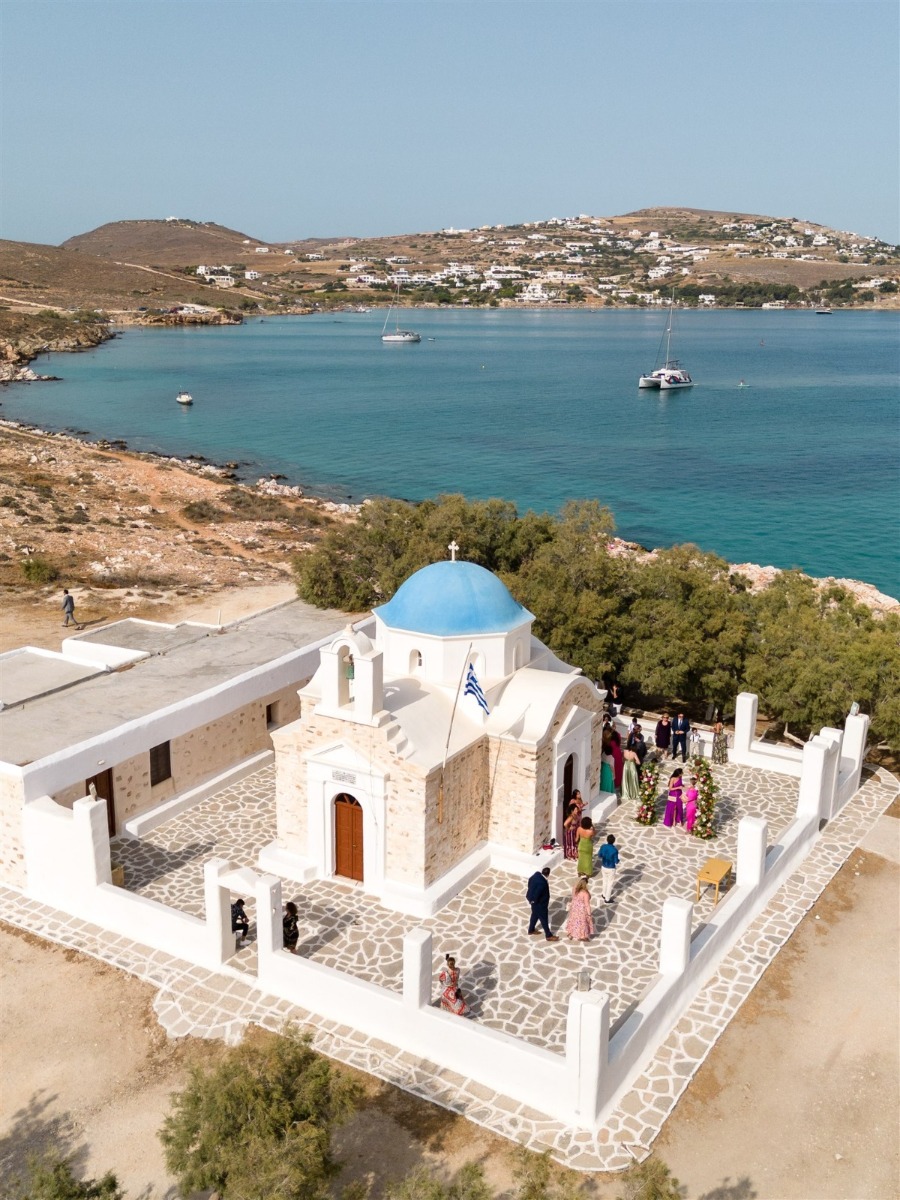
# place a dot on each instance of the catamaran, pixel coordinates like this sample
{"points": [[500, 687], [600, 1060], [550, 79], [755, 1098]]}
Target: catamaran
{"points": [[398, 334], [671, 374]]}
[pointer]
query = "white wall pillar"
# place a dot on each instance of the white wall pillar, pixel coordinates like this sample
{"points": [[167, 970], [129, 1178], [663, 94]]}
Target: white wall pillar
{"points": [[269, 930], [745, 712], [675, 936], [752, 836], [587, 1051], [91, 834], [853, 752], [812, 779], [417, 954], [218, 910], [832, 740]]}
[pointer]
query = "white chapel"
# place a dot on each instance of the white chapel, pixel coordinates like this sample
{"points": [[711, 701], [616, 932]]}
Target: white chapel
{"points": [[395, 774]]}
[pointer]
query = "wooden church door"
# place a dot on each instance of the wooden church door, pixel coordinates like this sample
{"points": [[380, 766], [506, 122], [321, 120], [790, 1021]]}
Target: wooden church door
{"points": [[104, 785], [348, 837]]}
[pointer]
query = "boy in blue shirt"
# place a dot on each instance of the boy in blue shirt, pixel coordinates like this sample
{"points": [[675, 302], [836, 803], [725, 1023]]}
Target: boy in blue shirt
{"points": [[609, 860]]}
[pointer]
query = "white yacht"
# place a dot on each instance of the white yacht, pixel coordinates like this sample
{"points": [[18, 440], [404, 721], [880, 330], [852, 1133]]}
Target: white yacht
{"points": [[398, 334], [671, 374], [184, 398]]}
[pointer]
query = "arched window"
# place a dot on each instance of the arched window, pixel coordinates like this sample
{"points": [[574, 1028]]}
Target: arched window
{"points": [[416, 662]]}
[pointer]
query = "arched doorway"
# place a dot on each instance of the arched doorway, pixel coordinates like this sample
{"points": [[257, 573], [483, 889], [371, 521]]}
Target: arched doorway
{"points": [[348, 837], [567, 786]]}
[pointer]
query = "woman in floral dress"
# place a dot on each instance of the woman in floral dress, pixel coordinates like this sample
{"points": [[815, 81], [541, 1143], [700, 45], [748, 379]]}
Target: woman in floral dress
{"points": [[570, 825], [451, 997], [580, 925], [720, 744]]}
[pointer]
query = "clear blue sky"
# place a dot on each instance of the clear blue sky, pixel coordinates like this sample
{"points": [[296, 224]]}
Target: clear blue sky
{"points": [[302, 118]]}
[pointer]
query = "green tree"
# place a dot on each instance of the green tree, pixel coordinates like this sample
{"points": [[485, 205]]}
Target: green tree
{"points": [[258, 1126], [686, 627]]}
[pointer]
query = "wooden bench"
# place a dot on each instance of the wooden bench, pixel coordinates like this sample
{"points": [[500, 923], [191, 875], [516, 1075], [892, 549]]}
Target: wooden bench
{"points": [[715, 871]]}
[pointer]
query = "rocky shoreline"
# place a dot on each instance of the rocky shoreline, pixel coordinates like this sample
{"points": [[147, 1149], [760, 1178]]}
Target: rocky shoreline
{"points": [[272, 487], [18, 351]]}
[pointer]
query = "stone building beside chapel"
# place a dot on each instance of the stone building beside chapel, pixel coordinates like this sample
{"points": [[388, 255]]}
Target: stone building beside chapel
{"points": [[396, 776]]}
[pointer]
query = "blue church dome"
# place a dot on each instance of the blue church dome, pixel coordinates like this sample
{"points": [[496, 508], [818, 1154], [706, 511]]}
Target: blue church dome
{"points": [[447, 599]]}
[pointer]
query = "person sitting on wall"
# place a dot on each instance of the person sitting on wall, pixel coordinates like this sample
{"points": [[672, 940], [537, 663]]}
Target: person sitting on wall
{"points": [[291, 931], [239, 920]]}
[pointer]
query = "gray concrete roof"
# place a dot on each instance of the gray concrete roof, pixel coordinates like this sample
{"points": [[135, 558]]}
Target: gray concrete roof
{"points": [[27, 673], [33, 730], [150, 637]]}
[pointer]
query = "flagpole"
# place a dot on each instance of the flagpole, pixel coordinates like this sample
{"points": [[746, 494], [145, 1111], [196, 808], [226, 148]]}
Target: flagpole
{"points": [[440, 815]]}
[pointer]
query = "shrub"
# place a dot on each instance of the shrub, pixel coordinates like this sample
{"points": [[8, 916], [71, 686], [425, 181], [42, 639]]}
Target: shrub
{"points": [[259, 1124], [37, 570], [201, 510], [53, 1179]]}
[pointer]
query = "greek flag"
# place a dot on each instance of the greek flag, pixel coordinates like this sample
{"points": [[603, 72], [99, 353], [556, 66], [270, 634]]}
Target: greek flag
{"points": [[473, 688]]}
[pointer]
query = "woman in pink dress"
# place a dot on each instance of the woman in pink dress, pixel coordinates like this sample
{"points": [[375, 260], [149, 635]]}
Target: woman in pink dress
{"points": [[674, 808], [580, 925], [690, 804], [615, 749], [451, 997]]}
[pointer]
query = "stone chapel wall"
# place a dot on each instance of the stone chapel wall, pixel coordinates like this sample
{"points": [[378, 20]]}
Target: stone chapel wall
{"points": [[464, 811]]}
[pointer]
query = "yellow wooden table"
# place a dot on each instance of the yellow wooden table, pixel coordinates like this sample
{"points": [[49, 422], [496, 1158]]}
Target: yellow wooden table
{"points": [[714, 871]]}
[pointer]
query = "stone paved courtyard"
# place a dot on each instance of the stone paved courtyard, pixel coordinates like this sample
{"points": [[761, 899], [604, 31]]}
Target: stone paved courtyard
{"points": [[513, 983], [220, 1004]]}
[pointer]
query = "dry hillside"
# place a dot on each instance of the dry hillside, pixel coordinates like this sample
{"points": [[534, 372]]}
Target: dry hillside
{"points": [[164, 243], [35, 276]]}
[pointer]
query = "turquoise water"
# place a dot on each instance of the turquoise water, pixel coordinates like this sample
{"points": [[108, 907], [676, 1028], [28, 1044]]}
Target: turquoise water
{"points": [[798, 468]]}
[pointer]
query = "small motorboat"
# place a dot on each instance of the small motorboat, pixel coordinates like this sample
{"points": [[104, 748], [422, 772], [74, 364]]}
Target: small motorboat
{"points": [[184, 398]]}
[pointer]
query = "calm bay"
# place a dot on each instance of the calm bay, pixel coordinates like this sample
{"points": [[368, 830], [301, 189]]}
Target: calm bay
{"points": [[799, 467]]}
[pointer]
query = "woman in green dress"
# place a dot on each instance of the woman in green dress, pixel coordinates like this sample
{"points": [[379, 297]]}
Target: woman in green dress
{"points": [[631, 783], [586, 833]]}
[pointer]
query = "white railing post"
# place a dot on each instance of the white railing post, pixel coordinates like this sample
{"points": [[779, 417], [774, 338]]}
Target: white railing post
{"points": [[675, 936], [745, 722], [752, 837], [812, 780], [269, 932], [853, 753], [587, 1052], [218, 911], [417, 968]]}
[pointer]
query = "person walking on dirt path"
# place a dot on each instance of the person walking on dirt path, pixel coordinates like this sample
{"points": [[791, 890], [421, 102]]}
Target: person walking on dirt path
{"points": [[68, 607]]}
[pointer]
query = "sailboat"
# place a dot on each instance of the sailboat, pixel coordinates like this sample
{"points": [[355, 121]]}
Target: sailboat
{"points": [[398, 334], [671, 374]]}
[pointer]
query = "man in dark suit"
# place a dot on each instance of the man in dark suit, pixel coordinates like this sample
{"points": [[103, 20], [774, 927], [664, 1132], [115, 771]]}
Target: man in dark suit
{"points": [[681, 727], [538, 896]]}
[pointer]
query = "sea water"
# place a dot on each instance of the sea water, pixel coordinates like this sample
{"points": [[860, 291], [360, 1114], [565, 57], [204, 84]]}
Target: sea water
{"points": [[797, 467]]}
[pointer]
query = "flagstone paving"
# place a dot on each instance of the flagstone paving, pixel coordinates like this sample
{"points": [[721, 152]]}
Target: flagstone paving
{"points": [[511, 982], [220, 1004]]}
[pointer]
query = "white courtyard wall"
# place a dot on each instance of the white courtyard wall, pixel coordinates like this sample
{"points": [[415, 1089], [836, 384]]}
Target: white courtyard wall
{"points": [[564, 1086], [12, 854], [657, 1013], [68, 868], [748, 751]]}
